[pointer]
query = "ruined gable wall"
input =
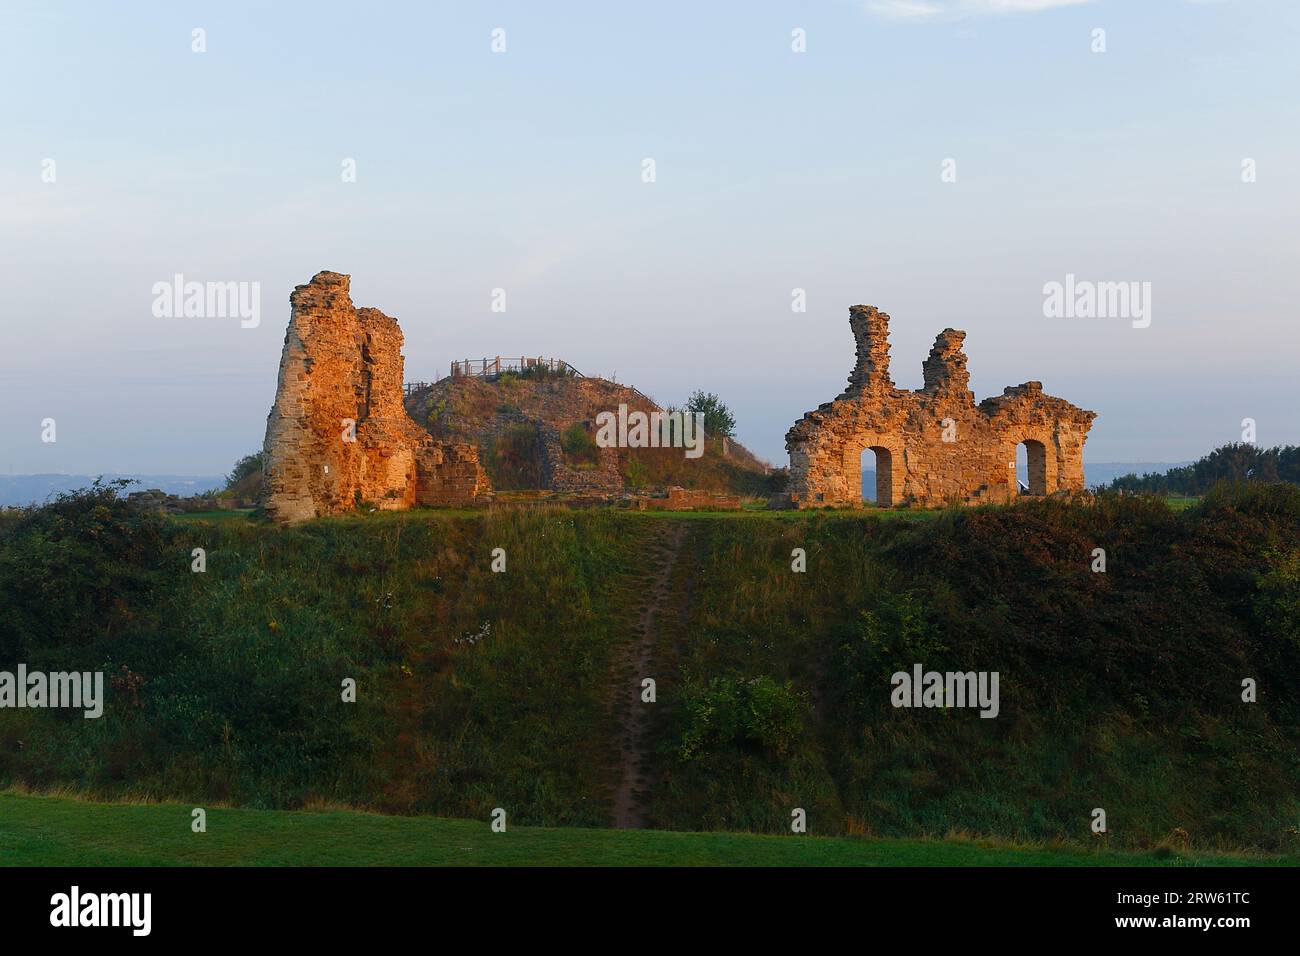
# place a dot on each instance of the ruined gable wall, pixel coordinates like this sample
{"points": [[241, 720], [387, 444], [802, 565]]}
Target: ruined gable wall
{"points": [[342, 364], [914, 463]]}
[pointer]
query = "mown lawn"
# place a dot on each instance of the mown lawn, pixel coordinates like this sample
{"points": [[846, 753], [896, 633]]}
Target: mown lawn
{"points": [[58, 831]]}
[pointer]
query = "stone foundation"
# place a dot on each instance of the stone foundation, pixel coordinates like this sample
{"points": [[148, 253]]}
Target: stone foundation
{"points": [[688, 499], [449, 474], [606, 478]]}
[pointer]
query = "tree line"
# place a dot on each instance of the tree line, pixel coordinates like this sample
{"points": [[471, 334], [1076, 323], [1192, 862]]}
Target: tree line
{"points": [[1238, 461]]}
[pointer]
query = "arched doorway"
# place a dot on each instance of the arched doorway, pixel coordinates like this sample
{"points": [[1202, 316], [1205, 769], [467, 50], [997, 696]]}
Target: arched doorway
{"points": [[1031, 467], [880, 491]]}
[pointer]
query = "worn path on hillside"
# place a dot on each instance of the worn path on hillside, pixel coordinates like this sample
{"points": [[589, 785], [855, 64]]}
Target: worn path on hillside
{"points": [[631, 712]]}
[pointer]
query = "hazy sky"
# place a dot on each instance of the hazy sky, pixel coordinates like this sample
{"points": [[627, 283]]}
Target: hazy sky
{"points": [[775, 170]]}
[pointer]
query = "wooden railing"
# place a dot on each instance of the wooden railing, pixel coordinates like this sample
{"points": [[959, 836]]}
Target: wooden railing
{"points": [[485, 367]]}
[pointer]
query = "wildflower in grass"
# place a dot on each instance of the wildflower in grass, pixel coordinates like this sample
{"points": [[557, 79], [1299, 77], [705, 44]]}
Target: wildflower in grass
{"points": [[471, 639]]}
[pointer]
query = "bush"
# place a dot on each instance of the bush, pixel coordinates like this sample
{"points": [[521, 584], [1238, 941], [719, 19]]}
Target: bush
{"points": [[895, 634], [1277, 604], [72, 569], [635, 473], [246, 466], [718, 420], [757, 712], [580, 449]]}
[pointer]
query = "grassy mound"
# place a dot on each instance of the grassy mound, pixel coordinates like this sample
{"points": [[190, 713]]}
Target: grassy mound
{"points": [[1119, 690], [502, 416]]}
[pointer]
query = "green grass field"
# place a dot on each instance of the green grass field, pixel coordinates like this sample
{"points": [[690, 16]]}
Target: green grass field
{"points": [[57, 831]]}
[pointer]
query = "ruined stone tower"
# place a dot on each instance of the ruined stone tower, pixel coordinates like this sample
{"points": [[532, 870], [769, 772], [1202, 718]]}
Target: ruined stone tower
{"points": [[933, 446], [338, 432]]}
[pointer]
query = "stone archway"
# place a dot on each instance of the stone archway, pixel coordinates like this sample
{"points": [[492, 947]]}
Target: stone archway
{"points": [[889, 469], [884, 461], [1036, 472]]}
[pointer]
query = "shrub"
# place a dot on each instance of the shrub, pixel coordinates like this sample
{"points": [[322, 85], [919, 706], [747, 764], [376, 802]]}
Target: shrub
{"points": [[718, 420], [71, 569], [727, 711], [894, 634], [580, 449], [635, 472], [246, 466], [1277, 604]]}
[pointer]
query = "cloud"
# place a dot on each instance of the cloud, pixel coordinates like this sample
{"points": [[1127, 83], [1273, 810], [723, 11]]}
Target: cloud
{"points": [[956, 9], [904, 9]]}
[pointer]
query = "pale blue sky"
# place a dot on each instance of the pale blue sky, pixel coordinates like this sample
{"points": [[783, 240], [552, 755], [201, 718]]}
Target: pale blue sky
{"points": [[776, 170]]}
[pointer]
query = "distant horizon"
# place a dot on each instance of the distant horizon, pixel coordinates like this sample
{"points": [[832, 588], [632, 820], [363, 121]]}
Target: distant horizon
{"points": [[189, 476], [175, 483]]}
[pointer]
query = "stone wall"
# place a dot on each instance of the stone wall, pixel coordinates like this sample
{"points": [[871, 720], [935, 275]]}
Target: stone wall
{"points": [[448, 473], [338, 432], [558, 475], [933, 446], [687, 499]]}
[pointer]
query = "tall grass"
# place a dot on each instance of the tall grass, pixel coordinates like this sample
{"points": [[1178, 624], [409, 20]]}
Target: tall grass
{"points": [[1119, 690], [478, 689]]}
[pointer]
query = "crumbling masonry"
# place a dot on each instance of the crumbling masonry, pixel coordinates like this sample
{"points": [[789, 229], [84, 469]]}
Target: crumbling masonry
{"points": [[338, 433], [934, 446]]}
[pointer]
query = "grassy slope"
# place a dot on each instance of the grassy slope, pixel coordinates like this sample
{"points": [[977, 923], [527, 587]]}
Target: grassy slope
{"points": [[243, 666], [1119, 690], [54, 831]]}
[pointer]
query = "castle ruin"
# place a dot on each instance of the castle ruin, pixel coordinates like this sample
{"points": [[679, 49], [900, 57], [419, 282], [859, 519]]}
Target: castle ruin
{"points": [[933, 446], [338, 433]]}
